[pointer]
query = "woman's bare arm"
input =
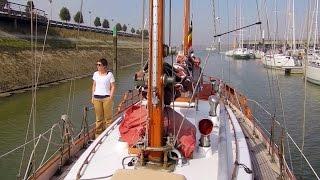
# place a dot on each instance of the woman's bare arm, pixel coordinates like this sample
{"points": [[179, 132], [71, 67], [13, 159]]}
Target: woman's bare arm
{"points": [[112, 90]]}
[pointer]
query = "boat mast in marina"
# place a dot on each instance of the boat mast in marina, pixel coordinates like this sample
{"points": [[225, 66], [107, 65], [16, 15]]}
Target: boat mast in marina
{"points": [[155, 84], [186, 27]]}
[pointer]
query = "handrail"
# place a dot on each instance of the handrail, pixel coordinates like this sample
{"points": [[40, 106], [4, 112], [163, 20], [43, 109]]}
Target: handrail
{"points": [[18, 8], [126, 98], [286, 132], [305, 158], [264, 109]]}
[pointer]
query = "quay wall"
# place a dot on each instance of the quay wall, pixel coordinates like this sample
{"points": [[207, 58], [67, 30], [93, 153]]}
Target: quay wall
{"points": [[17, 67]]}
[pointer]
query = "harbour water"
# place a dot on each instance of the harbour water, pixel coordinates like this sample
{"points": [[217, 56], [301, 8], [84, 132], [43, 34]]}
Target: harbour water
{"points": [[250, 77]]}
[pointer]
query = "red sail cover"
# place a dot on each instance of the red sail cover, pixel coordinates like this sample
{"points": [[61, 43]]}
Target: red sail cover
{"points": [[187, 135], [133, 128]]}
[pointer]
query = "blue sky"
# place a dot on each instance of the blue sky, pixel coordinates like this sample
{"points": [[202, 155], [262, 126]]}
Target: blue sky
{"points": [[130, 13]]}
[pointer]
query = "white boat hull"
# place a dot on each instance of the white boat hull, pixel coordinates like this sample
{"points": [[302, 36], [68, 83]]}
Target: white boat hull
{"points": [[280, 61], [241, 53], [313, 74], [229, 53], [258, 54]]}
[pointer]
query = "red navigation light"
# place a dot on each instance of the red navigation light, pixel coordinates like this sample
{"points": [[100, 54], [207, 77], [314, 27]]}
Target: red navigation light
{"points": [[205, 126]]}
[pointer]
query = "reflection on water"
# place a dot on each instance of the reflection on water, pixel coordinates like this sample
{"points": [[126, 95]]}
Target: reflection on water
{"points": [[248, 76]]}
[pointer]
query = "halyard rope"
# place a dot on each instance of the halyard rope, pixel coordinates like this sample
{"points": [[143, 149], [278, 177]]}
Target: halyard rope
{"points": [[48, 145]]}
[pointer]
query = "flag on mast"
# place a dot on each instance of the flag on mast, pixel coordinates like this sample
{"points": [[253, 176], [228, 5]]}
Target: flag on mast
{"points": [[189, 37]]}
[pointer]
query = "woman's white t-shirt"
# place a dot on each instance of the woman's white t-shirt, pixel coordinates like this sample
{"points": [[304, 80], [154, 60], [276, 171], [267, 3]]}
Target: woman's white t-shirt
{"points": [[102, 83]]}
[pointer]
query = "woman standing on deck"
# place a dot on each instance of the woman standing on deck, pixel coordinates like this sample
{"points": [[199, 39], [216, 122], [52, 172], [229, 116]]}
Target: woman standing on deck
{"points": [[103, 88]]}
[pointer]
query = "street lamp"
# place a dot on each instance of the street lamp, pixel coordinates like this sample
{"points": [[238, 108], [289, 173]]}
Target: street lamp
{"points": [[90, 17]]}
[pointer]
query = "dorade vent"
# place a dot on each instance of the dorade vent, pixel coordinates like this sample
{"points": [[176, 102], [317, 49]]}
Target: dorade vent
{"points": [[213, 102], [205, 128]]}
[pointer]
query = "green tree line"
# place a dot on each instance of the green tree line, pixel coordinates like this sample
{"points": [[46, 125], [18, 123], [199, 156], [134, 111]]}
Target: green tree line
{"points": [[65, 15]]}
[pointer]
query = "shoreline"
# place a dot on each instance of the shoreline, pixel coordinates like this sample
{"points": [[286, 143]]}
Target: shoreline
{"points": [[50, 84]]}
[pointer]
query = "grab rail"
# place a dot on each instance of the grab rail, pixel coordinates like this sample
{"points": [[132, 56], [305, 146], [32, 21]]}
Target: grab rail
{"points": [[231, 92]]}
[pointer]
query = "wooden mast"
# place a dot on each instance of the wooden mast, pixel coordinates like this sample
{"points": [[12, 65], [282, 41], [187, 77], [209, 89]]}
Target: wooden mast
{"points": [[156, 86], [186, 27]]}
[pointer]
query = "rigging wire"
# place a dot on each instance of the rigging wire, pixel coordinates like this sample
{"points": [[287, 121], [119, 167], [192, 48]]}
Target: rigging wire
{"points": [[31, 157], [35, 86], [35, 81], [193, 94], [259, 17], [269, 77], [31, 115], [229, 63], [172, 70], [48, 145], [73, 80], [282, 109], [278, 84], [142, 33], [305, 89]]}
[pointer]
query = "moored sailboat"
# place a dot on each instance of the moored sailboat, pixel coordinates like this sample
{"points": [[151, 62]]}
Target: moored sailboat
{"points": [[313, 64]]}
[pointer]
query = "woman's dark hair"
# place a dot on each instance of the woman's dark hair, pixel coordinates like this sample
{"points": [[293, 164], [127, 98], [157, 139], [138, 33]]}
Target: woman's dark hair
{"points": [[104, 62]]}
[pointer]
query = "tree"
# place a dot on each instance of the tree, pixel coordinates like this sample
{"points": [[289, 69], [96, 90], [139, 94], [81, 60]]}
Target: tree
{"points": [[78, 18], [3, 3], [105, 24], [133, 30], [118, 27], [138, 32], [97, 22], [65, 14], [145, 33], [30, 6], [124, 27]]}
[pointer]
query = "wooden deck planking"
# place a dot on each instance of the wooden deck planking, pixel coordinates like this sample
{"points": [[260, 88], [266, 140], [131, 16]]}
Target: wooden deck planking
{"points": [[263, 168]]}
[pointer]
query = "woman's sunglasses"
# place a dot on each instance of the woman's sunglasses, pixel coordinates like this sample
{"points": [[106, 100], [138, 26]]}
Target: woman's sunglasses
{"points": [[99, 64]]}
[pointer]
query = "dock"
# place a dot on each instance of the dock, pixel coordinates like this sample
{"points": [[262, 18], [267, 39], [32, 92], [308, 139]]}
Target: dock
{"points": [[292, 70]]}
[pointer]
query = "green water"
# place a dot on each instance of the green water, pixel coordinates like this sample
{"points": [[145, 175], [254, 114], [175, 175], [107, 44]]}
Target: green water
{"points": [[248, 76], [52, 102]]}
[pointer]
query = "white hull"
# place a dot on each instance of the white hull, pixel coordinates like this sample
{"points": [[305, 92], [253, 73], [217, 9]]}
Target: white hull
{"points": [[210, 49], [280, 61], [240, 53], [258, 54], [313, 73], [229, 53]]}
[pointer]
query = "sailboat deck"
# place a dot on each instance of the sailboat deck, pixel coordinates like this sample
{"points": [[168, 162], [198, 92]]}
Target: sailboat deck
{"points": [[110, 152], [107, 153]]}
